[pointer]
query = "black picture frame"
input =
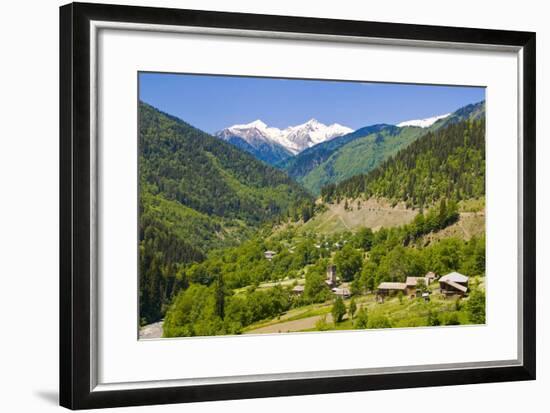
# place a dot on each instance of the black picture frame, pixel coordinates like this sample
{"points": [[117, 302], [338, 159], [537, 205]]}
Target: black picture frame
{"points": [[75, 219]]}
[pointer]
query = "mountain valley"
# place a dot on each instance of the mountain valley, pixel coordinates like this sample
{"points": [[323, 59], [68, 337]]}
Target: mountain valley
{"points": [[238, 231]]}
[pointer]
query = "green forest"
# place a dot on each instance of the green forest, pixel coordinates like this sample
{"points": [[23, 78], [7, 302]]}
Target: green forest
{"points": [[224, 245], [197, 193], [299, 166], [362, 151], [448, 163], [224, 294]]}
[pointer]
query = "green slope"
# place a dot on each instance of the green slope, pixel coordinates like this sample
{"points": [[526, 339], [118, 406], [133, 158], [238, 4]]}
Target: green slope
{"points": [[206, 174], [359, 156], [363, 150], [197, 193], [474, 111], [300, 165], [448, 163], [270, 153]]}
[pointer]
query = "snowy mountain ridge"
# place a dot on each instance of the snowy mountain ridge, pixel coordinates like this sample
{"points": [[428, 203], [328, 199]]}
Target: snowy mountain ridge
{"points": [[423, 123], [294, 139]]}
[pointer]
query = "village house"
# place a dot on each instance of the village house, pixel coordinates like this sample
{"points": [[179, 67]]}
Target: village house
{"points": [[453, 283], [298, 290], [342, 292], [269, 255], [389, 288], [409, 287], [412, 284], [430, 277]]}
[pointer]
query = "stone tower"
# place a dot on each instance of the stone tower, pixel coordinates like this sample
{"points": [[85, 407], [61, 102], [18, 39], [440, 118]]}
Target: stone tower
{"points": [[331, 275]]}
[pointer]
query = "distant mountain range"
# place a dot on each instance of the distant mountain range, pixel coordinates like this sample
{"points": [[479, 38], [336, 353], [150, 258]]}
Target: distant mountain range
{"points": [[315, 154], [273, 145], [364, 149]]}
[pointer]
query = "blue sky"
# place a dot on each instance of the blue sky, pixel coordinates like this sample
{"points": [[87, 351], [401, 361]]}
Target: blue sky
{"points": [[212, 103]]}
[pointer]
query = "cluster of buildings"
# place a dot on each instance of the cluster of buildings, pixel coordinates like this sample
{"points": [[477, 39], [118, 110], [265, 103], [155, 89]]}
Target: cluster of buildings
{"points": [[339, 290], [331, 281], [452, 284]]}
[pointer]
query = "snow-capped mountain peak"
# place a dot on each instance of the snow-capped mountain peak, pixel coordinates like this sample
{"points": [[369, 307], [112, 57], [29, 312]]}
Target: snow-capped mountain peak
{"points": [[293, 138], [312, 123], [423, 123], [311, 133], [255, 124]]}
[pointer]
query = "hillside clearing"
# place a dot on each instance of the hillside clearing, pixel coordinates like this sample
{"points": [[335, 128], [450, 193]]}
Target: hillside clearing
{"points": [[373, 213], [469, 224]]}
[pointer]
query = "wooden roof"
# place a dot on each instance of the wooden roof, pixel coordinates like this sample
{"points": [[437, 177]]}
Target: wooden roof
{"points": [[392, 286], [454, 277], [412, 281], [456, 286]]}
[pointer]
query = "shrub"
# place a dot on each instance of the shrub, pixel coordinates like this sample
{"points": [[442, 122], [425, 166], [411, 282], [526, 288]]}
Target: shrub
{"points": [[476, 307], [362, 319], [379, 321], [322, 324], [338, 310]]}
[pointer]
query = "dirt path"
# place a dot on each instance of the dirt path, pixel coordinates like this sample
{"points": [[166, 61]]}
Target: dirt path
{"points": [[151, 331], [287, 326], [344, 223]]}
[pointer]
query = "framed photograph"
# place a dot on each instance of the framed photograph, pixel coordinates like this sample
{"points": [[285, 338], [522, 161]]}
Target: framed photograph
{"points": [[258, 206]]}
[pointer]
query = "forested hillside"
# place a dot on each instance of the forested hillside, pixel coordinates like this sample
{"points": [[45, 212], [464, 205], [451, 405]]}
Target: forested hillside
{"points": [[447, 163], [268, 152], [363, 150], [360, 156], [473, 111], [301, 164], [237, 287], [199, 171], [197, 193]]}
